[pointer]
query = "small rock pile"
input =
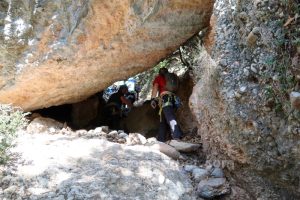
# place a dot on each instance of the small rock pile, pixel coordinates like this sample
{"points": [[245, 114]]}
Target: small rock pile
{"points": [[210, 180], [50, 126]]}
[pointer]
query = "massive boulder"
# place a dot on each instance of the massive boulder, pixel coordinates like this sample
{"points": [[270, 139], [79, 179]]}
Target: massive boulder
{"points": [[242, 105], [69, 166], [56, 52]]}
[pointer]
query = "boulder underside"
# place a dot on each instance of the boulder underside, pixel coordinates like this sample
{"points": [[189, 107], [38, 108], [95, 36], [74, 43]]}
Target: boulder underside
{"points": [[58, 52]]}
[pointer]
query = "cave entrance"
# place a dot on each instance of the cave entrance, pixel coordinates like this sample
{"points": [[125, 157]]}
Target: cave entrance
{"points": [[142, 118], [60, 113]]}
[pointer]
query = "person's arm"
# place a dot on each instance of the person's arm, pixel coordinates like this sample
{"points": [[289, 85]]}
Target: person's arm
{"points": [[154, 90], [154, 95], [126, 101]]}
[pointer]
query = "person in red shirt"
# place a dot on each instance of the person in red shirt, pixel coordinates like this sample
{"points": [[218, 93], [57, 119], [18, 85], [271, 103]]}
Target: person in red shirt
{"points": [[167, 105]]}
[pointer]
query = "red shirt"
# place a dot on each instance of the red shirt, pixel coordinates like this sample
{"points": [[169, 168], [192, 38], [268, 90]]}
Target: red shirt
{"points": [[161, 81]]}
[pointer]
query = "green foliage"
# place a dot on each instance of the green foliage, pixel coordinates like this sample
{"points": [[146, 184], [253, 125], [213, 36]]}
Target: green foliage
{"points": [[278, 90], [11, 119], [296, 41], [280, 79], [269, 92], [164, 63]]}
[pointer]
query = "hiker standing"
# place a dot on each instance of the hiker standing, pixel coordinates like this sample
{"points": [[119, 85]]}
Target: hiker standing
{"points": [[113, 108], [165, 84]]}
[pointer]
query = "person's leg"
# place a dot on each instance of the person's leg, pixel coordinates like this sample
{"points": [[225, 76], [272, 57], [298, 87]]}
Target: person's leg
{"points": [[115, 122], [169, 115], [105, 116], [162, 130], [112, 118]]}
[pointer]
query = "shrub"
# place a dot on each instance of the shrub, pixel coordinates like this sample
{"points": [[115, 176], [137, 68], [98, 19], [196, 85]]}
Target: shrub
{"points": [[11, 119]]}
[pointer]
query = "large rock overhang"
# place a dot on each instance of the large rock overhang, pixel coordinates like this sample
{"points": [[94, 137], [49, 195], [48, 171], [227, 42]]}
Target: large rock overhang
{"points": [[59, 52]]}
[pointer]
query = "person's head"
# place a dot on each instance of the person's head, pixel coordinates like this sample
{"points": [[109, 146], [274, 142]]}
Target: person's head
{"points": [[162, 71], [123, 89]]}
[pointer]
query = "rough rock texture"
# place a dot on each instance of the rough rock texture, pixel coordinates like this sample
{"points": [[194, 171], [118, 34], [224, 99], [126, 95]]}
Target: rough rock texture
{"points": [[242, 99], [84, 112], [142, 119], [65, 166], [212, 187], [43, 124], [57, 52], [183, 146]]}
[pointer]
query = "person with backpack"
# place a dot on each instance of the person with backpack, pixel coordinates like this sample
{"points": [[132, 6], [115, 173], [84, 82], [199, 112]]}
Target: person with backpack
{"points": [[165, 86], [113, 108]]}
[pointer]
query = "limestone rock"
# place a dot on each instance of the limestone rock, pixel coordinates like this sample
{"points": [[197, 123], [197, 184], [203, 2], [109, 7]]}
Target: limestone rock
{"points": [[251, 39], [135, 139], [225, 124], [105, 129], [184, 146], [113, 134], [81, 132], [167, 150], [213, 187], [123, 135], [217, 173], [199, 174], [43, 124], [68, 167], [152, 140], [190, 168], [98, 130], [57, 52]]}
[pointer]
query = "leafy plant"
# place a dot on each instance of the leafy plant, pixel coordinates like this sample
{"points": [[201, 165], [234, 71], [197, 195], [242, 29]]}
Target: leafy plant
{"points": [[281, 79], [11, 119]]}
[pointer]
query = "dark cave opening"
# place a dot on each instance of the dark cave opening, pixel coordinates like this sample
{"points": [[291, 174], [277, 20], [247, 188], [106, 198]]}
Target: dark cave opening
{"points": [[80, 115], [60, 113], [142, 118]]}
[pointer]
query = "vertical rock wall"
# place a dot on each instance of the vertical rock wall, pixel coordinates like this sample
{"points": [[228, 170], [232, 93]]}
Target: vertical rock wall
{"points": [[242, 99]]}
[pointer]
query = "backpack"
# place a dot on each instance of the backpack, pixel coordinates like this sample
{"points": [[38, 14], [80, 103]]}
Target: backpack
{"points": [[172, 82]]}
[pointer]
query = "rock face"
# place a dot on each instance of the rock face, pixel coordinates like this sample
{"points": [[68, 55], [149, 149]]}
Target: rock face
{"points": [[212, 187], [246, 99], [184, 146], [147, 118], [57, 52], [73, 167]]}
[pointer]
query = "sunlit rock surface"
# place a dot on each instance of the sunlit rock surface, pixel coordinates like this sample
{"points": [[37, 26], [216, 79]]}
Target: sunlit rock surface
{"points": [[248, 123], [61, 164], [56, 52]]}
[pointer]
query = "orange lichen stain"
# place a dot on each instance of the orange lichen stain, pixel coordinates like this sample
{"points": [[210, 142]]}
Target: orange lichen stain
{"points": [[191, 5], [81, 38], [45, 39], [106, 22], [209, 40]]}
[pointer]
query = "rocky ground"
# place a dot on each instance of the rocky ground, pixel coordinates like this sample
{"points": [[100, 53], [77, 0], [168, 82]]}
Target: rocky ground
{"points": [[50, 161]]}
